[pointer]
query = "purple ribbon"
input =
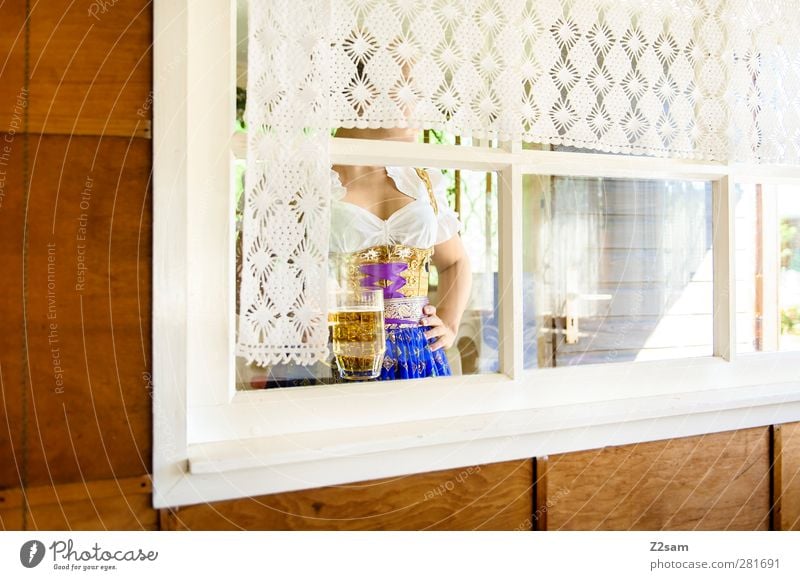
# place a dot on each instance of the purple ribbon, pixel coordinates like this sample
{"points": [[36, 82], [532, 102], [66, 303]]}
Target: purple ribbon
{"points": [[375, 273], [400, 321]]}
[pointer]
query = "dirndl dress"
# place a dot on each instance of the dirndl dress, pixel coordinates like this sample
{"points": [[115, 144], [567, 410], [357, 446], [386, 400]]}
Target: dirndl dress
{"points": [[394, 255], [402, 273]]}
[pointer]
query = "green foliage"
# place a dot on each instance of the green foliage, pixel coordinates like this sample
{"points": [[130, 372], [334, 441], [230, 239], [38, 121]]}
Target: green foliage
{"points": [[790, 321], [437, 137], [790, 257], [241, 100]]}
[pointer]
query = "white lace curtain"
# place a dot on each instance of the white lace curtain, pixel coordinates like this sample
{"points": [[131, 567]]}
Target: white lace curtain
{"points": [[703, 79]]}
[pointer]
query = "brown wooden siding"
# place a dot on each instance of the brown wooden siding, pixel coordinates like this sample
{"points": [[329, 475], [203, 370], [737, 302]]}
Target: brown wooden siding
{"points": [[787, 476], [489, 497], [712, 482]]}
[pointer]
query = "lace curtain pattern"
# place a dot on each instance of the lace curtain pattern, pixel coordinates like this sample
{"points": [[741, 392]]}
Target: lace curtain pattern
{"points": [[716, 80], [282, 311], [763, 65]]}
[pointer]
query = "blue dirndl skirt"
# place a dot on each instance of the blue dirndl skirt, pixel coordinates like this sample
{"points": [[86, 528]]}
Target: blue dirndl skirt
{"points": [[409, 356]]}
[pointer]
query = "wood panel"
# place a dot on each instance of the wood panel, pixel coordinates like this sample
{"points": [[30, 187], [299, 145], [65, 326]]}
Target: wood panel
{"points": [[711, 482], [11, 335], [88, 305], [11, 519], [122, 504], [488, 497], [91, 67], [12, 69], [13, 98], [787, 476]]}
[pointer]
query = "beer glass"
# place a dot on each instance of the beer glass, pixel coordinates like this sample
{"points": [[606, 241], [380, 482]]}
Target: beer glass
{"points": [[355, 319]]}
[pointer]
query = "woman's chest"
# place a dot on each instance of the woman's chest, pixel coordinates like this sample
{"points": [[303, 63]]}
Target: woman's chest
{"points": [[354, 227]]}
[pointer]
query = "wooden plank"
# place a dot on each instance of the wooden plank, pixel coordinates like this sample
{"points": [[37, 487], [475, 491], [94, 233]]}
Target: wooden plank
{"points": [[118, 504], [12, 69], [540, 507], [88, 304], [13, 102], [786, 472], [12, 337], [123, 504], [11, 520], [119, 513], [91, 67], [711, 482], [104, 489], [487, 497], [11, 509], [101, 127]]}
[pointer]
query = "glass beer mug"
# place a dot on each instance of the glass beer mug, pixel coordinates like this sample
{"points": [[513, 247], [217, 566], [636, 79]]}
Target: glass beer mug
{"points": [[355, 319]]}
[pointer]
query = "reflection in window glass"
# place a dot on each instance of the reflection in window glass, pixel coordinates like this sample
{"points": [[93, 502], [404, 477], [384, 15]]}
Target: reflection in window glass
{"points": [[768, 267], [616, 270], [473, 197]]}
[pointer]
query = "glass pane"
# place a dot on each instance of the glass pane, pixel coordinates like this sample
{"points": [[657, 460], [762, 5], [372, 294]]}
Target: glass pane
{"points": [[472, 196], [616, 270], [768, 267], [241, 62]]}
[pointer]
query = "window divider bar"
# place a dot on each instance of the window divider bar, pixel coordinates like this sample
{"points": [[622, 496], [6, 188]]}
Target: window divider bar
{"points": [[724, 266], [510, 269], [345, 151], [210, 111]]}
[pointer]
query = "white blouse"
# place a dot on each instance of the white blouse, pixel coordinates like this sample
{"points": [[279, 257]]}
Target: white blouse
{"points": [[354, 228]]}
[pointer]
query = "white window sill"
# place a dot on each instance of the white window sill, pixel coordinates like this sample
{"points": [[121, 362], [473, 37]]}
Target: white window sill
{"points": [[227, 469]]}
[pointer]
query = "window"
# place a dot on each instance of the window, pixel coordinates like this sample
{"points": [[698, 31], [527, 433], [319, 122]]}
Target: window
{"points": [[473, 196], [768, 262], [675, 371], [616, 270]]}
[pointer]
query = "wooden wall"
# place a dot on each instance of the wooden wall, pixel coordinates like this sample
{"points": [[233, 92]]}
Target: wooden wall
{"points": [[713, 482], [75, 351]]}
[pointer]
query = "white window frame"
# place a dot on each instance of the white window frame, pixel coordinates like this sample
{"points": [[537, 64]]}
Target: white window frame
{"points": [[212, 442]]}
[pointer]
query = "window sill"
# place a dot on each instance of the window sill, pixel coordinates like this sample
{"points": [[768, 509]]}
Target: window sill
{"points": [[302, 460]]}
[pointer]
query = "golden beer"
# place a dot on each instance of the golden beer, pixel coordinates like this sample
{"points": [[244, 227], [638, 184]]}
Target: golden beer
{"points": [[359, 342]]}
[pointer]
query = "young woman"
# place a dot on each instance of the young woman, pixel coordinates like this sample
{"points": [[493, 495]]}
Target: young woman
{"points": [[388, 224]]}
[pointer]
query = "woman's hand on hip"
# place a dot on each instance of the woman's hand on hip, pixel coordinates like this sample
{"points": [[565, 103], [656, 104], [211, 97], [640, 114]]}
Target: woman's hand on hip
{"points": [[444, 335]]}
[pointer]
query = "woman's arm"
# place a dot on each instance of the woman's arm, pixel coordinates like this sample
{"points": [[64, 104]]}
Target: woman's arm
{"points": [[455, 283]]}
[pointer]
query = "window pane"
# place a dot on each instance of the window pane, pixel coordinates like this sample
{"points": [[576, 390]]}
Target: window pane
{"points": [[472, 196], [768, 267], [241, 62], [616, 270]]}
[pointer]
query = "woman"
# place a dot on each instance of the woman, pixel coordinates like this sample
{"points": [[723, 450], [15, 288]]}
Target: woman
{"points": [[388, 224]]}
